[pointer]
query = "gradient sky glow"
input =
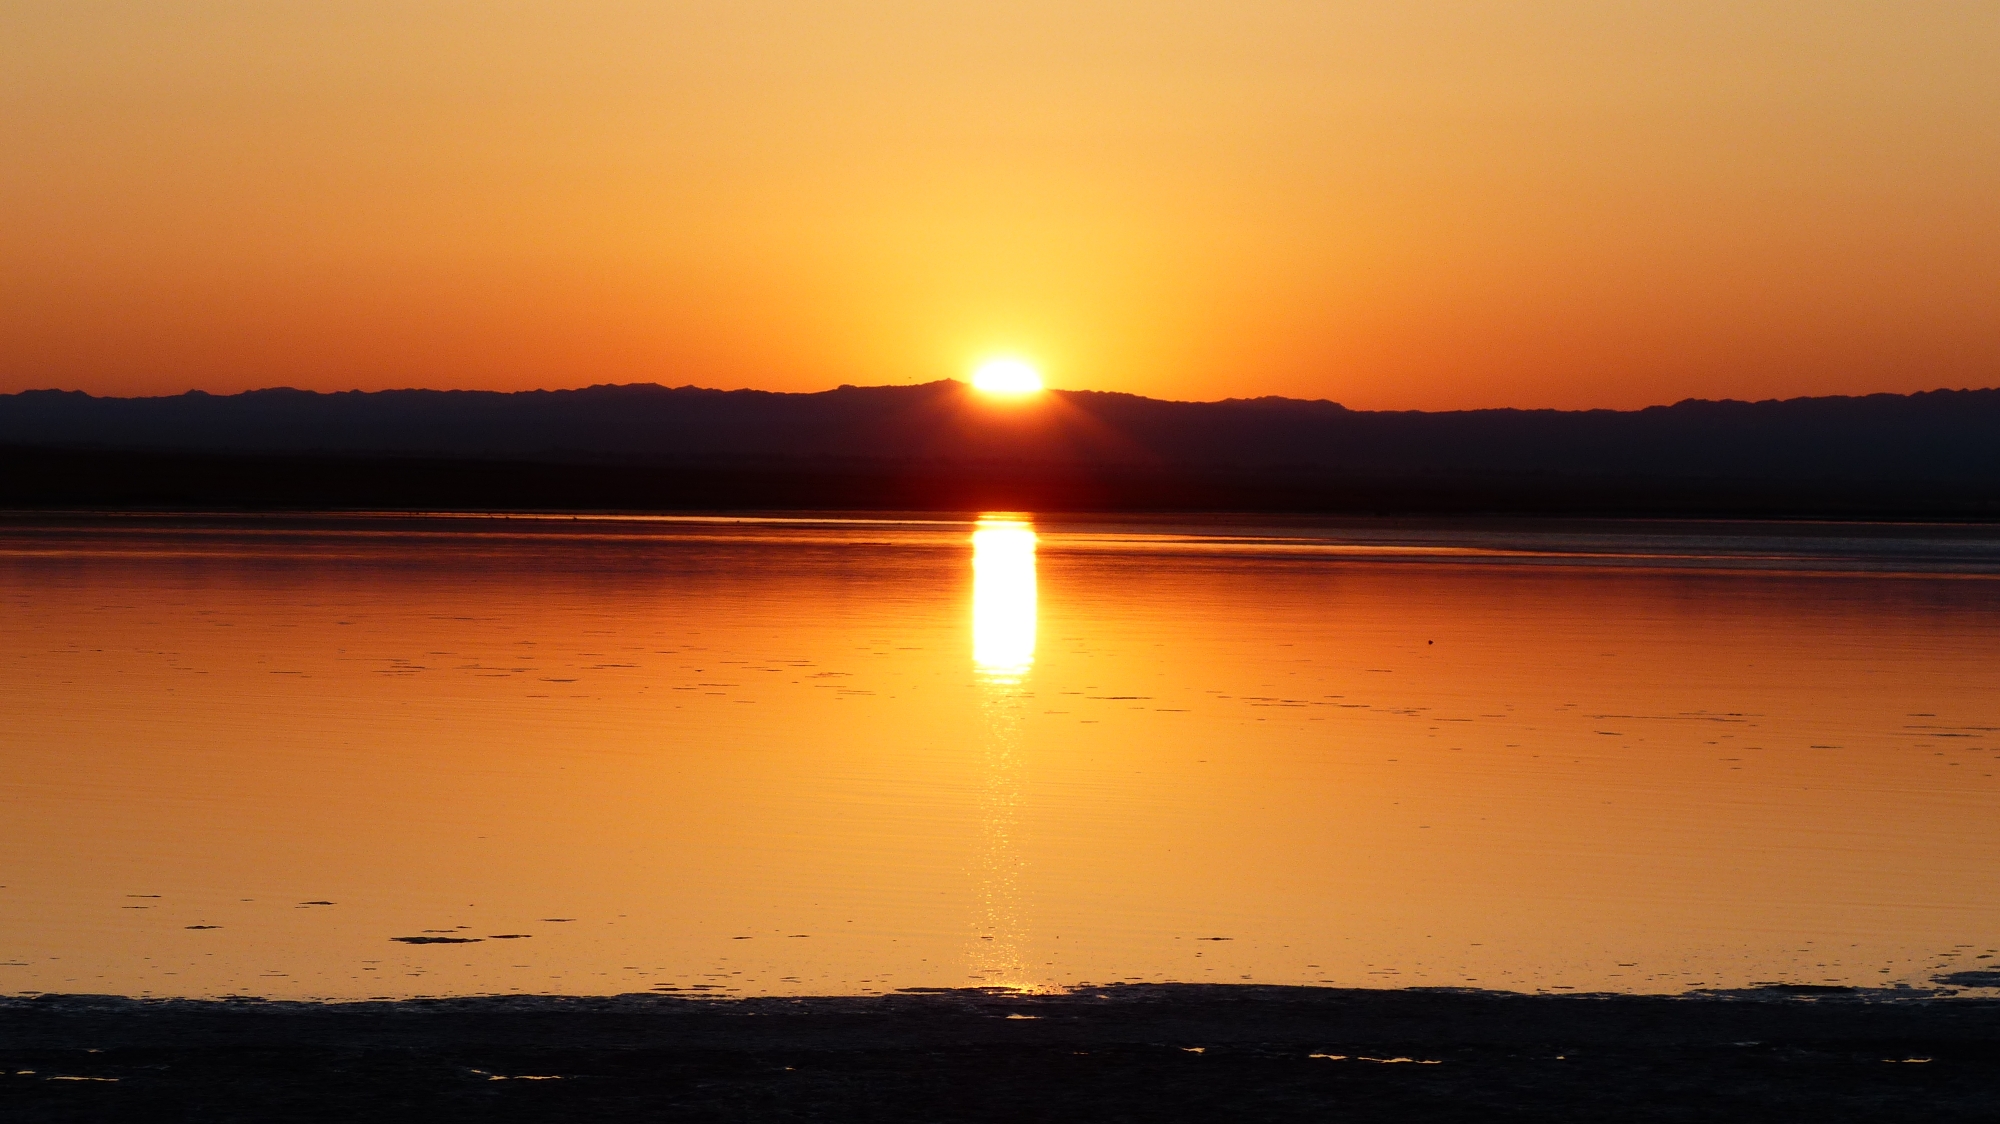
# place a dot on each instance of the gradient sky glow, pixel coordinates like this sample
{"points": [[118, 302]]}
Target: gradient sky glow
{"points": [[1425, 204]]}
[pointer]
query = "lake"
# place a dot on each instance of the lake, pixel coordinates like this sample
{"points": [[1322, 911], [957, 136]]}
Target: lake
{"points": [[355, 756]]}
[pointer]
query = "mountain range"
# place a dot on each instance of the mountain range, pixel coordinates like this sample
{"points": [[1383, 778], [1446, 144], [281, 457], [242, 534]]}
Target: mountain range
{"points": [[1935, 447]]}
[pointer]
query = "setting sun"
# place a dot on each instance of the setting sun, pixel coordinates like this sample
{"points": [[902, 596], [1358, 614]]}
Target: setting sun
{"points": [[1007, 376], [579, 477]]}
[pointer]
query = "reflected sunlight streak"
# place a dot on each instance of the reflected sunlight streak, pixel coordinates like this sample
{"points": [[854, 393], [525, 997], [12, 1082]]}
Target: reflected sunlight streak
{"points": [[1003, 650], [1003, 599]]}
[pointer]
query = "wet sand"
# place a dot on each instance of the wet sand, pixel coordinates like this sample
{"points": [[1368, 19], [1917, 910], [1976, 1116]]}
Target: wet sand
{"points": [[1181, 1052]]}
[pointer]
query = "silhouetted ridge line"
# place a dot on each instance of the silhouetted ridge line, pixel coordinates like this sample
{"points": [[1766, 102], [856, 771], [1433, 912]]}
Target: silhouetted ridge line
{"points": [[1943, 436]]}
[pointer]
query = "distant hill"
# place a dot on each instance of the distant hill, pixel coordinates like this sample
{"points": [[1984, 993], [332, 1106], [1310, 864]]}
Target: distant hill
{"points": [[1945, 443], [1940, 435]]}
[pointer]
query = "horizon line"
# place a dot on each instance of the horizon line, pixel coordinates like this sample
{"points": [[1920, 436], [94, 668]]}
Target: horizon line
{"points": [[197, 392]]}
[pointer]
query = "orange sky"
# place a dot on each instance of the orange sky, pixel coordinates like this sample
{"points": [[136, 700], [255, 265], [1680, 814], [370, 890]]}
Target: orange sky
{"points": [[1427, 205]]}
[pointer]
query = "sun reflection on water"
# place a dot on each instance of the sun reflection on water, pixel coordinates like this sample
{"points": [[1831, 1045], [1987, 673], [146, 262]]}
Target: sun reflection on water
{"points": [[1003, 652], [1003, 599]]}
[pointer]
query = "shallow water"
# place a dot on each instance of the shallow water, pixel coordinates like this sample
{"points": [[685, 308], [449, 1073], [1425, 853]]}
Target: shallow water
{"points": [[256, 756]]}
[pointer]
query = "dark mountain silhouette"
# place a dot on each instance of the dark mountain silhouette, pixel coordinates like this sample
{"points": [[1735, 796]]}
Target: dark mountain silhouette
{"points": [[1936, 451]]}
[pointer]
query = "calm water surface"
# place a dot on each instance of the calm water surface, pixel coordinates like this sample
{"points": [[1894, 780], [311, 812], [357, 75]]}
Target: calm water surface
{"points": [[396, 756]]}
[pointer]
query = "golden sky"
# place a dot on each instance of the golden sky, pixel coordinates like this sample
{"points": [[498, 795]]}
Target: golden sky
{"points": [[1410, 205]]}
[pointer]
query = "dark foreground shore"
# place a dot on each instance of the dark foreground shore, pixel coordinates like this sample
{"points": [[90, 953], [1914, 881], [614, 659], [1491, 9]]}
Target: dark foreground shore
{"points": [[1128, 1053]]}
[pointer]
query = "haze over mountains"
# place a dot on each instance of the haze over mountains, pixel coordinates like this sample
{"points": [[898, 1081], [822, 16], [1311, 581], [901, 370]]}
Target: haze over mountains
{"points": [[943, 446]]}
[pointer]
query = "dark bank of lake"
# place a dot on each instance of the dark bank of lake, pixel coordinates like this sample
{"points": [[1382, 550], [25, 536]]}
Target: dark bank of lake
{"points": [[1175, 1053]]}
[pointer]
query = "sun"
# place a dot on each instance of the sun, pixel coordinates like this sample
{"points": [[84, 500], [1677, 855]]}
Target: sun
{"points": [[1006, 376]]}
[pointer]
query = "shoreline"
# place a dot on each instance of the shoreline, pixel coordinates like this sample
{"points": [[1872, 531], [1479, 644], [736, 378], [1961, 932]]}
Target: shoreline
{"points": [[106, 480], [1139, 1052]]}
